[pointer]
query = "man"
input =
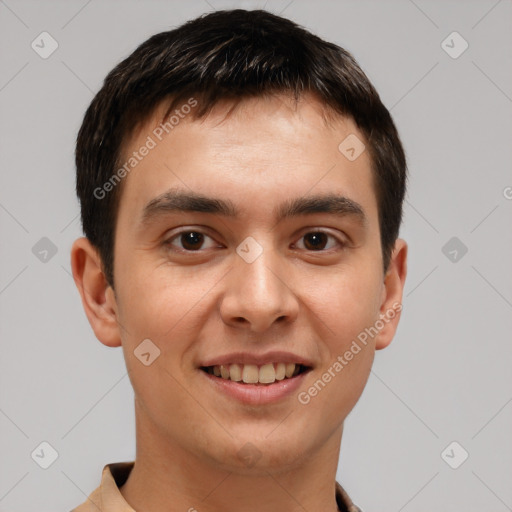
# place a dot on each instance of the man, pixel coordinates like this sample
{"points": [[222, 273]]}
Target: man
{"points": [[241, 189]]}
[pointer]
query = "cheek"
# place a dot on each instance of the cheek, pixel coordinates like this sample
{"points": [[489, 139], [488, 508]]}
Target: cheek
{"points": [[160, 300], [159, 308], [346, 302], [166, 306], [347, 359], [345, 306]]}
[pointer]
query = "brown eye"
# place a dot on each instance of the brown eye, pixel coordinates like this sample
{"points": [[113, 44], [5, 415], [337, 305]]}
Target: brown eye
{"points": [[318, 240], [314, 241], [191, 240], [188, 241]]}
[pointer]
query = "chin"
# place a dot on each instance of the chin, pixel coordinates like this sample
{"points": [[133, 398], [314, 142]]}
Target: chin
{"points": [[260, 454]]}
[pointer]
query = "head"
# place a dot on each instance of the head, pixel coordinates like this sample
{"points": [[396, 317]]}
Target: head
{"points": [[273, 150]]}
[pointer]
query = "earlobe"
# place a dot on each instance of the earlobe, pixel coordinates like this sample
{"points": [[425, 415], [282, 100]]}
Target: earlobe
{"points": [[391, 306], [97, 296]]}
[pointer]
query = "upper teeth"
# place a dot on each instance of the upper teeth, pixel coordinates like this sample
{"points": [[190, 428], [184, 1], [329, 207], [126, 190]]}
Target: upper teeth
{"points": [[252, 374]]}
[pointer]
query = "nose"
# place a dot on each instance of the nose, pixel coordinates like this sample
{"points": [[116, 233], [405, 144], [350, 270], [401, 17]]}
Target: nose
{"points": [[259, 294]]}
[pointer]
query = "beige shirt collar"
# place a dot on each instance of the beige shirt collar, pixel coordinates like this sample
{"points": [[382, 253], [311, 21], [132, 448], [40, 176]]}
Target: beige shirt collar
{"points": [[108, 498]]}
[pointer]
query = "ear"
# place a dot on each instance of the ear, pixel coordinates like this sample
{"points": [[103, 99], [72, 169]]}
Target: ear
{"points": [[392, 290], [98, 297]]}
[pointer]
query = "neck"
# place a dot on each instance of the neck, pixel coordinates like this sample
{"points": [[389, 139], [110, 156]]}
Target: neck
{"points": [[167, 477]]}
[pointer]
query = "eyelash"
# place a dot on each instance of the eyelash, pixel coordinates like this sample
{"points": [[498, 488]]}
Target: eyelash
{"points": [[168, 242]]}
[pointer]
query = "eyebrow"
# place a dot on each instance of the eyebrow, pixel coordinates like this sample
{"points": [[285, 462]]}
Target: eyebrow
{"points": [[177, 200]]}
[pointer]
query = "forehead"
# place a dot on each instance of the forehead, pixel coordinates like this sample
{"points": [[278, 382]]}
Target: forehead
{"points": [[263, 148]]}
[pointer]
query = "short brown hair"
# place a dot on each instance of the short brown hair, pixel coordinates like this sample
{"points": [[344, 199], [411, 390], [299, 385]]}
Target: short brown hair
{"points": [[232, 54]]}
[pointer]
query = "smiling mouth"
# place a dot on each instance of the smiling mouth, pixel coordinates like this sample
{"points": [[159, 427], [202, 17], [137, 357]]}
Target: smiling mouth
{"points": [[256, 374]]}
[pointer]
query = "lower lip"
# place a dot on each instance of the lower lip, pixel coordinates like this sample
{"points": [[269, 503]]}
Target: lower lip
{"points": [[257, 394]]}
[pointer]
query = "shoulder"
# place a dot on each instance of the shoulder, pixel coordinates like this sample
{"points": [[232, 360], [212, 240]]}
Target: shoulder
{"points": [[107, 495], [344, 502]]}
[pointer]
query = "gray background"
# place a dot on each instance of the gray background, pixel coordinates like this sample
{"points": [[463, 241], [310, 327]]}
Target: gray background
{"points": [[446, 376]]}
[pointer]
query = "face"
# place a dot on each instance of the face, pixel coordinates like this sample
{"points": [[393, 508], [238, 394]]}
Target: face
{"points": [[277, 260]]}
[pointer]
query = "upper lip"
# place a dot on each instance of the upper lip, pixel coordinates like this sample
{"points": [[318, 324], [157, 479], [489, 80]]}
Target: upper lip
{"points": [[257, 359]]}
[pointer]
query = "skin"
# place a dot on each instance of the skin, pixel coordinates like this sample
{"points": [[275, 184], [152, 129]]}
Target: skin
{"points": [[194, 306]]}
